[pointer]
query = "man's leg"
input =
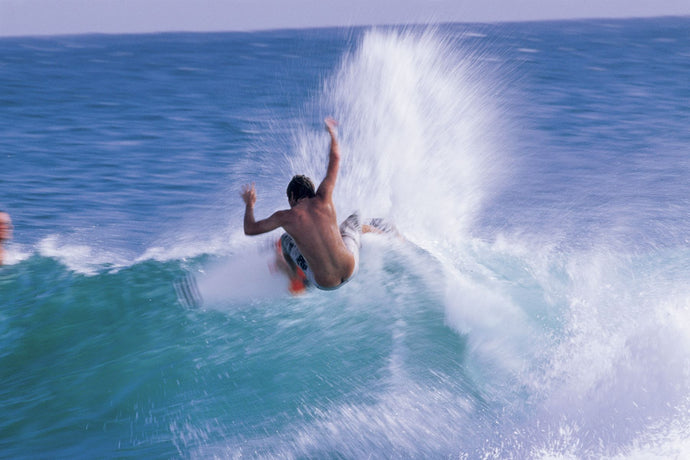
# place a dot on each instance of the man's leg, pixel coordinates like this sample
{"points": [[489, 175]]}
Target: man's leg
{"points": [[292, 263]]}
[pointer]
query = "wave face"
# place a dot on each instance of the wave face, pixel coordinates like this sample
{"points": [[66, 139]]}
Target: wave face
{"points": [[538, 307]]}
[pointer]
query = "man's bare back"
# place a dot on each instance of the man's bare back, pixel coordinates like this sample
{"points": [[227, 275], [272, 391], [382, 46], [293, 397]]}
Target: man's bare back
{"points": [[312, 223]]}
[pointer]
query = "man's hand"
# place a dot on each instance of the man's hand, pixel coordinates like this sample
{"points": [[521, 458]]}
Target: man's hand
{"points": [[330, 125], [249, 194]]}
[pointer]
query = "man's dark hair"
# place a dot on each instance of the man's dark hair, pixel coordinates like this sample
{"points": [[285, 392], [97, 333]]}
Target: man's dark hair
{"points": [[300, 187]]}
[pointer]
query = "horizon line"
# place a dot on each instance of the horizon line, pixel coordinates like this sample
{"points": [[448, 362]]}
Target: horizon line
{"points": [[350, 26]]}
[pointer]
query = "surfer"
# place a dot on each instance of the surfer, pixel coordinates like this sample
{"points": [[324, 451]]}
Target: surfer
{"points": [[5, 231], [325, 253]]}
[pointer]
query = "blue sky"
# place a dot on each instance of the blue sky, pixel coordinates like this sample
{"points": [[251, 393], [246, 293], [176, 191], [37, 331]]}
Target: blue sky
{"points": [[41, 17]]}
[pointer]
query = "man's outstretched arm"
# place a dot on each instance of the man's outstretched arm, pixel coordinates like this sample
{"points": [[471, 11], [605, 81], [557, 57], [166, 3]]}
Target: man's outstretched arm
{"points": [[251, 225], [328, 184]]}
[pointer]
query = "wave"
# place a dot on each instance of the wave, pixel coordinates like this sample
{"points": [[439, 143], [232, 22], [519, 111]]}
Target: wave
{"points": [[534, 351]]}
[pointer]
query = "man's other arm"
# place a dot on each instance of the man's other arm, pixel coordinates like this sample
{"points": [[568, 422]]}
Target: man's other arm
{"points": [[251, 225]]}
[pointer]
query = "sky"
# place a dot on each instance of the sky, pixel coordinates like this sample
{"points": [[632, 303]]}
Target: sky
{"points": [[55, 17]]}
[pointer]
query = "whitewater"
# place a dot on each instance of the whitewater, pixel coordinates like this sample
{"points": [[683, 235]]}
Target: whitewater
{"points": [[538, 305]]}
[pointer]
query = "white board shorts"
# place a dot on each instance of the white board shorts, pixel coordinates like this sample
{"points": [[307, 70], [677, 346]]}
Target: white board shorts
{"points": [[350, 230]]}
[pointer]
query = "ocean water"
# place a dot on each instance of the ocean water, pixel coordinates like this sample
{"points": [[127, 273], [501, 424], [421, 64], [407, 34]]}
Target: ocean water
{"points": [[538, 306]]}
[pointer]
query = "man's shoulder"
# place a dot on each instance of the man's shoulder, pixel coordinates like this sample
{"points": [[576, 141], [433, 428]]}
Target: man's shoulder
{"points": [[284, 214], [320, 200], [306, 211], [296, 215]]}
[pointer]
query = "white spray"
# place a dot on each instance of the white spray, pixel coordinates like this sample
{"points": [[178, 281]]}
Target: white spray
{"points": [[417, 135]]}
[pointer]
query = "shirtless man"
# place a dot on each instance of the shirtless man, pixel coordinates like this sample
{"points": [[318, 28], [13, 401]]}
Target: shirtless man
{"points": [[5, 231], [328, 254]]}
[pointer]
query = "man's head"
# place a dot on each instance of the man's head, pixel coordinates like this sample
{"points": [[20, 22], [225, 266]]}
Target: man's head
{"points": [[300, 187], [5, 226]]}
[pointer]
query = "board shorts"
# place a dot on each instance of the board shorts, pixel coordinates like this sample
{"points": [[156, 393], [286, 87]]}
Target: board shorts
{"points": [[350, 230]]}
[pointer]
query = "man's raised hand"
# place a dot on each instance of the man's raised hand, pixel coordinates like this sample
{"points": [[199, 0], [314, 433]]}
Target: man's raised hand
{"points": [[330, 125]]}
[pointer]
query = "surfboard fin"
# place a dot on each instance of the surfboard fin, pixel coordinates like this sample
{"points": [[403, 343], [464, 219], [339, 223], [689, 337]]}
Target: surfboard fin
{"points": [[187, 292], [298, 283]]}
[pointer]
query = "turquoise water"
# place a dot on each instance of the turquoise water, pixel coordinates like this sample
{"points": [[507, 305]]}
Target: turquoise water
{"points": [[539, 306]]}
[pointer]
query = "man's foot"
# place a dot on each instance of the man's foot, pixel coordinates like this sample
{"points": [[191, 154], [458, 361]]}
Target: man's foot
{"points": [[380, 226]]}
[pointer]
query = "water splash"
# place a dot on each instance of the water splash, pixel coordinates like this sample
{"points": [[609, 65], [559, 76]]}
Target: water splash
{"points": [[418, 134]]}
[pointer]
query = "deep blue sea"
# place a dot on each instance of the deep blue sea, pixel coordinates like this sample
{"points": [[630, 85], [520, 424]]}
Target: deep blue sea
{"points": [[538, 306]]}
